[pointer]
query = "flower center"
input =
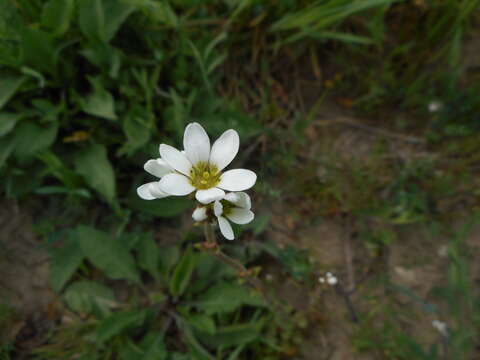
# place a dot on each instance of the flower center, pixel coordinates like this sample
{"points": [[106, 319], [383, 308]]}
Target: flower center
{"points": [[204, 175]]}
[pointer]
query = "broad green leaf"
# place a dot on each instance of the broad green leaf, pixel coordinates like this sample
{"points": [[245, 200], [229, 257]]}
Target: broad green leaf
{"points": [[182, 273], [168, 207], [9, 84], [87, 296], [149, 255], [227, 297], [154, 347], [116, 12], [202, 323], [93, 164], [100, 19], [107, 254], [7, 145], [99, 102], [37, 50], [91, 18], [64, 262], [31, 138], [116, 323], [57, 15], [8, 121]]}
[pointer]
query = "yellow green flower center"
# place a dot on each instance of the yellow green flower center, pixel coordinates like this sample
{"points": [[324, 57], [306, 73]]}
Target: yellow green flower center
{"points": [[204, 175]]}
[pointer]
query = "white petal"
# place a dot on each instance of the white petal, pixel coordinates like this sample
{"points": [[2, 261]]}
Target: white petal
{"points": [[176, 184], [225, 228], [209, 195], [157, 167], [240, 199], [218, 208], [150, 191], [240, 216], [225, 149], [196, 143], [144, 192], [175, 159], [199, 214], [237, 180]]}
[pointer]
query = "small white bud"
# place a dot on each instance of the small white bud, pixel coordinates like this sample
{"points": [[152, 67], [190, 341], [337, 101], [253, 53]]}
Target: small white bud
{"points": [[329, 274], [321, 279], [199, 214]]}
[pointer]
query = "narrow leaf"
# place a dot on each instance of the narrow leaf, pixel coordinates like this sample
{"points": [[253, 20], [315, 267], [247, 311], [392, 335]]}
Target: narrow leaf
{"points": [[182, 273]]}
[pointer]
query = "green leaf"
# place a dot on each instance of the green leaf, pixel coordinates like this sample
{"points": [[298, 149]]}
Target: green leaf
{"points": [[99, 102], [8, 121], [202, 323], [100, 20], [227, 297], [107, 254], [233, 335], [31, 138], [154, 347], [148, 255], [91, 19], [169, 256], [7, 145], [64, 262], [9, 84], [93, 164], [168, 207], [137, 128], [182, 273], [87, 296], [116, 12], [37, 50], [57, 15], [115, 324]]}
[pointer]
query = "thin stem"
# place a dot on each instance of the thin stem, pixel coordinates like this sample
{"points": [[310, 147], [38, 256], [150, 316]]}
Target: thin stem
{"points": [[241, 269]]}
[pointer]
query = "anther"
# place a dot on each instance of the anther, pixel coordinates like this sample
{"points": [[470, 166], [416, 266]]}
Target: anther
{"points": [[206, 174]]}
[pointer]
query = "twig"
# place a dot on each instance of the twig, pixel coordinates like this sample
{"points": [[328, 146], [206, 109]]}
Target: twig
{"points": [[348, 252], [346, 297], [382, 132]]}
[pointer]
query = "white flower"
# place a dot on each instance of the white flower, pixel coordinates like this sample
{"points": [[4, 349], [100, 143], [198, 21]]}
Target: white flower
{"points": [[234, 207], [200, 168], [434, 106]]}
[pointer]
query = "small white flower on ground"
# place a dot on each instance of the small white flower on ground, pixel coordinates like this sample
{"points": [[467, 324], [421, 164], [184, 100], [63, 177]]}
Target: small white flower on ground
{"points": [[440, 326], [434, 106], [329, 278], [332, 280], [199, 169]]}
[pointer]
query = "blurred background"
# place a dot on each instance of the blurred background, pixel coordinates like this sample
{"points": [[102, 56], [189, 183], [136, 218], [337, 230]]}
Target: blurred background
{"points": [[361, 119]]}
